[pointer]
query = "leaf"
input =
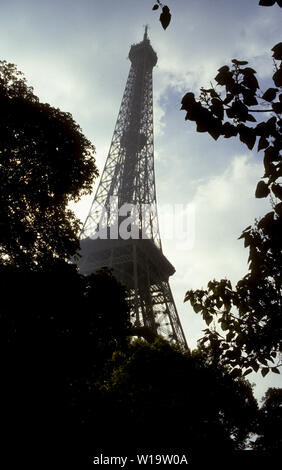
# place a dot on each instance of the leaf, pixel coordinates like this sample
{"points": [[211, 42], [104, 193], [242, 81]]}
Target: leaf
{"points": [[229, 97], [272, 154], [155, 7], [248, 371], [263, 361], [214, 129], [165, 17], [266, 3], [197, 308], [225, 77], [264, 371], [266, 223], [228, 130], [239, 62], [262, 190], [244, 233], [247, 136], [270, 94], [238, 110], [248, 71], [194, 111], [275, 370], [219, 303], [250, 81], [188, 100], [251, 118], [225, 68], [277, 190], [277, 78], [248, 240], [268, 166], [249, 97], [208, 319], [262, 129], [277, 51], [278, 209], [236, 373], [263, 143], [254, 365], [189, 296], [224, 325], [229, 336], [277, 107], [217, 108]]}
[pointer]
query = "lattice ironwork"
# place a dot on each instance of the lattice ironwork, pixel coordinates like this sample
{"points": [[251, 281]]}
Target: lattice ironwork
{"points": [[129, 178]]}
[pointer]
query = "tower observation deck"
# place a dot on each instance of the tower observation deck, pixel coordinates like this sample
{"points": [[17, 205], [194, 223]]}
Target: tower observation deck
{"points": [[121, 230]]}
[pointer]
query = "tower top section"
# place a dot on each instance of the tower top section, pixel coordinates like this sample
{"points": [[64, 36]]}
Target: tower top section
{"points": [[143, 53], [145, 33]]}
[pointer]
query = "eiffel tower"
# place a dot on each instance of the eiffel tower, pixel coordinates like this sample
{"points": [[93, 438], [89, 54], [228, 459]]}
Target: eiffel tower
{"points": [[121, 230]]}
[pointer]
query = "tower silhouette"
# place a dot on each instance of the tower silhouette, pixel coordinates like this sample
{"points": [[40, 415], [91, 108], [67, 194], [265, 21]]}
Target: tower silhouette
{"points": [[121, 230]]}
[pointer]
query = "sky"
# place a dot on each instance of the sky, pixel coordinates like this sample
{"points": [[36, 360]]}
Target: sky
{"points": [[75, 55]]}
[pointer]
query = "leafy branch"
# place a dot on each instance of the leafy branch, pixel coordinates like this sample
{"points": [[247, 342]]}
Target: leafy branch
{"points": [[249, 339], [226, 114], [165, 15]]}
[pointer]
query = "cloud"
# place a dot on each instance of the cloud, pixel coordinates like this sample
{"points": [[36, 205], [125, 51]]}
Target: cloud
{"points": [[224, 206], [75, 56]]}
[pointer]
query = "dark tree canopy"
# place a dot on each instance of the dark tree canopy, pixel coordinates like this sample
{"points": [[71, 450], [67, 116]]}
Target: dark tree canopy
{"points": [[57, 330], [269, 422], [45, 161], [167, 398]]}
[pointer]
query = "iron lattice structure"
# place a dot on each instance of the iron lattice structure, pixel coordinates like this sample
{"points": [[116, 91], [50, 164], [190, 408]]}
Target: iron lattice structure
{"points": [[127, 186]]}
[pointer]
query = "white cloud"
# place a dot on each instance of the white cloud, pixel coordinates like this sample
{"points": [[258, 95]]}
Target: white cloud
{"points": [[225, 205]]}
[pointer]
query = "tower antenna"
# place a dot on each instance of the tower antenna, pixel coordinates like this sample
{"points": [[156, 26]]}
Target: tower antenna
{"points": [[146, 32]]}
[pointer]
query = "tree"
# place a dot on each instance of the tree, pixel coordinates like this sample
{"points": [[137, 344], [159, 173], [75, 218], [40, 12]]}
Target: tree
{"points": [[269, 426], [57, 331], [168, 399], [246, 333], [45, 161]]}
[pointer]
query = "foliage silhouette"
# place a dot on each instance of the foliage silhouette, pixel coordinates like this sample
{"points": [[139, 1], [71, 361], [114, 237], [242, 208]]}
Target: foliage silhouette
{"points": [[73, 375], [169, 398], [56, 335], [269, 426], [270, 3], [246, 334], [165, 15], [46, 161], [253, 327]]}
